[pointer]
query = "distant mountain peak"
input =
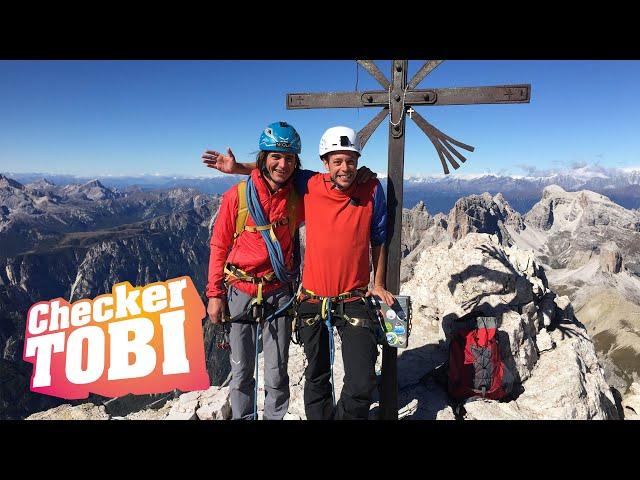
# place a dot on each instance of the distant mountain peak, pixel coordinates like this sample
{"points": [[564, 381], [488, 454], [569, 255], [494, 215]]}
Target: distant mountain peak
{"points": [[93, 189], [553, 189], [419, 206], [6, 182], [94, 183], [43, 183]]}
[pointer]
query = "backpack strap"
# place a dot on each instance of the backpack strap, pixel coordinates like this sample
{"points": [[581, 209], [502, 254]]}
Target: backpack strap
{"points": [[241, 219], [243, 211]]}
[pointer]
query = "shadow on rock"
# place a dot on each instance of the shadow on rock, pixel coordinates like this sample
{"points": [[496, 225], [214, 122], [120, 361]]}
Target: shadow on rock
{"points": [[566, 327], [505, 282], [419, 395]]}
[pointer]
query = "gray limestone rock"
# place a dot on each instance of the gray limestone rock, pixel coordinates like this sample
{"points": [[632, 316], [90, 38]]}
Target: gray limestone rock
{"points": [[85, 411]]}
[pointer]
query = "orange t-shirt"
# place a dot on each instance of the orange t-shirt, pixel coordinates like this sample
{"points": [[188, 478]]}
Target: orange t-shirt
{"points": [[340, 227]]}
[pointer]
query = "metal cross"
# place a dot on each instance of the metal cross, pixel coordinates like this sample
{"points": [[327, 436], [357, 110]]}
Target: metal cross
{"points": [[397, 98]]}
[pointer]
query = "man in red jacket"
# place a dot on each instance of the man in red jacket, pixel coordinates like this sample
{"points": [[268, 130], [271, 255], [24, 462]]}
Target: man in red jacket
{"points": [[343, 219], [241, 270]]}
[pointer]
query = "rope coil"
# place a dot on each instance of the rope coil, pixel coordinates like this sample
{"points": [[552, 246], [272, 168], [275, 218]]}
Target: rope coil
{"points": [[273, 245]]}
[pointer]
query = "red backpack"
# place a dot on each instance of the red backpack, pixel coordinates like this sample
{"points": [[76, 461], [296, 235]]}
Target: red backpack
{"points": [[475, 366]]}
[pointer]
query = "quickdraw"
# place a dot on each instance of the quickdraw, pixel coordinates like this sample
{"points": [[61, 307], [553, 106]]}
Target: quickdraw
{"points": [[221, 336]]}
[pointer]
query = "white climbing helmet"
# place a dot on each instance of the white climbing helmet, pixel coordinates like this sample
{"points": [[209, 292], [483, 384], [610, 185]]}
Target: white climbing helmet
{"points": [[339, 138]]}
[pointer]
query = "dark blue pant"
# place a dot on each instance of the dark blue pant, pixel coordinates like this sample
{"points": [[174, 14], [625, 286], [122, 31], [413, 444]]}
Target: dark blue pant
{"points": [[359, 352]]}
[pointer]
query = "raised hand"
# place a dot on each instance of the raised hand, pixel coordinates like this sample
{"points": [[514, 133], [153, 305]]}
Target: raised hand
{"points": [[224, 163]]}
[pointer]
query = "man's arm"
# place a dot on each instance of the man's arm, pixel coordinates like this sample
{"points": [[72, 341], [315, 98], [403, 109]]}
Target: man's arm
{"points": [[220, 244], [379, 257], [378, 247], [226, 163]]}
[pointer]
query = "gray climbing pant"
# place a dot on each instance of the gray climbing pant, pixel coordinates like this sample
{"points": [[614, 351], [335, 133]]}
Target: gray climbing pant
{"points": [[276, 336]]}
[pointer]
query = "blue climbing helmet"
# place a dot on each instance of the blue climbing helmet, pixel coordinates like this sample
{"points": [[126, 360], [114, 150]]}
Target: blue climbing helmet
{"points": [[280, 137]]}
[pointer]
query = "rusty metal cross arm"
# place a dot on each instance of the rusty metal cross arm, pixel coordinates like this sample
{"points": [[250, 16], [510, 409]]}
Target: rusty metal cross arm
{"points": [[426, 69], [431, 97], [442, 142], [369, 128], [373, 69]]}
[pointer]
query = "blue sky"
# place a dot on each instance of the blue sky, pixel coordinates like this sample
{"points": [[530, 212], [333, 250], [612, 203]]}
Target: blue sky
{"points": [[146, 117]]}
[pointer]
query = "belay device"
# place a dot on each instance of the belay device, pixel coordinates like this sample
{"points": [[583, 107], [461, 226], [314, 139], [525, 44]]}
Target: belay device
{"points": [[395, 320]]}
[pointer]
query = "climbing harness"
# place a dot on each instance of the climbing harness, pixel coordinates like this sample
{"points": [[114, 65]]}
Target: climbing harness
{"points": [[326, 314], [235, 274]]}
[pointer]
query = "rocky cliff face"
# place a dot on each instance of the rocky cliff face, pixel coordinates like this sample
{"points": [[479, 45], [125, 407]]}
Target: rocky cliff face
{"points": [[415, 222], [548, 351], [590, 247], [610, 258], [482, 214], [473, 214], [562, 210], [575, 224], [86, 264]]}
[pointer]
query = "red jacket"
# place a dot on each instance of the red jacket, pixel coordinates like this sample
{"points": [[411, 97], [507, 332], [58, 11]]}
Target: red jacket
{"points": [[249, 253]]}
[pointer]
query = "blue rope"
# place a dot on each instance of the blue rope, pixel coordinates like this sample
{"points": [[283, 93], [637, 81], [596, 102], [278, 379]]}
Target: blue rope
{"points": [[273, 247], [277, 313]]}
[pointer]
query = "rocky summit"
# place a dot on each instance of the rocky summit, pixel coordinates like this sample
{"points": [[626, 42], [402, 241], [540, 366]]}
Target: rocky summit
{"points": [[545, 348]]}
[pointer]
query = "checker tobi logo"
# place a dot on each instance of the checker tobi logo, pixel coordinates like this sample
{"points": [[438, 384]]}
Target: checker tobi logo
{"points": [[138, 340]]}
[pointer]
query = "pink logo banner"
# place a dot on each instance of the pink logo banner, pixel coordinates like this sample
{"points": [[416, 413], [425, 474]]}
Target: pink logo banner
{"points": [[137, 340]]}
